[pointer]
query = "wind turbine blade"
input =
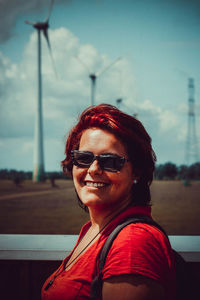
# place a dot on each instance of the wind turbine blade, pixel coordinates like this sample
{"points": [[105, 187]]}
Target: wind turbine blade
{"points": [[30, 23], [108, 67], [83, 64], [45, 31], [49, 13]]}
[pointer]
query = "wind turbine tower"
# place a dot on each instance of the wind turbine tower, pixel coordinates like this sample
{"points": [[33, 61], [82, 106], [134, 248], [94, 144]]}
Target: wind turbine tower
{"points": [[39, 170], [93, 78], [192, 153]]}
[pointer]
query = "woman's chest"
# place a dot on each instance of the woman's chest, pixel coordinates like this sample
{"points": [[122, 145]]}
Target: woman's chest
{"points": [[74, 283], [85, 246]]}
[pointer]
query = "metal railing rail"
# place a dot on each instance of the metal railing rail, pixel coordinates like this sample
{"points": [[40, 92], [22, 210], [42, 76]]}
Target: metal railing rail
{"points": [[57, 247]]}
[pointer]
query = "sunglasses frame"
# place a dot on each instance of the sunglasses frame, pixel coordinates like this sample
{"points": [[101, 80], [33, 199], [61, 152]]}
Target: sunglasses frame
{"points": [[99, 158]]}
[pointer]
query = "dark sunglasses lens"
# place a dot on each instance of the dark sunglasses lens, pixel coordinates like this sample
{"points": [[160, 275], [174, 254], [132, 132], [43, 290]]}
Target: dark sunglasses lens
{"points": [[83, 159], [111, 163]]}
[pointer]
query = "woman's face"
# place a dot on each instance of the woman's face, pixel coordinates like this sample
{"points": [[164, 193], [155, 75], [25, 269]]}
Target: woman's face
{"points": [[97, 187]]}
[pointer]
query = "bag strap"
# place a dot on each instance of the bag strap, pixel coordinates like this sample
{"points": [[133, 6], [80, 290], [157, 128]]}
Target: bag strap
{"points": [[96, 285]]}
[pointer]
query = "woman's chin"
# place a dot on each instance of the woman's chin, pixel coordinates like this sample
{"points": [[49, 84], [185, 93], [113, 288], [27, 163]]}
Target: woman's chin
{"points": [[93, 201]]}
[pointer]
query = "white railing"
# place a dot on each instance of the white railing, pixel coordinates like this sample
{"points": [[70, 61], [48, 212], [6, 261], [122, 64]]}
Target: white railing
{"points": [[56, 247]]}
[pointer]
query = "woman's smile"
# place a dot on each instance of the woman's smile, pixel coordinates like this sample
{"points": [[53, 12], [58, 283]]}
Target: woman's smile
{"points": [[95, 184]]}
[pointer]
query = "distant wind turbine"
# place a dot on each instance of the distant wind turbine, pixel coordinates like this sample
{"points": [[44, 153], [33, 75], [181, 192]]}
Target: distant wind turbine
{"points": [[93, 77], [39, 171], [118, 102]]}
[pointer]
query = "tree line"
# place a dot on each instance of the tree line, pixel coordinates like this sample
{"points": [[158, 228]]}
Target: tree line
{"points": [[23, 175], [167, 171]]}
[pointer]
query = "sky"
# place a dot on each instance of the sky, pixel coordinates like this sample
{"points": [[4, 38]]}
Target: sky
{"points": [[157, 41]]}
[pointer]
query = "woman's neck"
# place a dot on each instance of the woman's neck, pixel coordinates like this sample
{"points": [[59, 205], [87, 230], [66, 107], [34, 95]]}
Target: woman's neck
{"points": [[100, 216]]}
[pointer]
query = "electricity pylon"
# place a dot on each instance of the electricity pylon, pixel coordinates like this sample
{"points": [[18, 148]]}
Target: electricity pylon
{"points": [[192, 152]]}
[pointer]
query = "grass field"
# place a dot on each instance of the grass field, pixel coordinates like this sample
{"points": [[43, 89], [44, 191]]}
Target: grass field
{"points": [[41, 209]]}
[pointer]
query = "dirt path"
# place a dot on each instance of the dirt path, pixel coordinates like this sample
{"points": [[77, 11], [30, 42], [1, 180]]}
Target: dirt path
{"points": [[26, 194]]}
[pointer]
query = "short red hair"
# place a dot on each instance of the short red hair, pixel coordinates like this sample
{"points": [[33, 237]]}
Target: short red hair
{"points": [[128, 129]]}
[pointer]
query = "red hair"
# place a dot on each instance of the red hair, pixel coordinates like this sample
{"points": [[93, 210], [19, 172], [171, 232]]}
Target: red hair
{"points": [[128, 129]]}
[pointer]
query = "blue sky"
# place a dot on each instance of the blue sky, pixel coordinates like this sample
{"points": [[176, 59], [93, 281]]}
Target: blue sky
{"points": [[159, 45]]}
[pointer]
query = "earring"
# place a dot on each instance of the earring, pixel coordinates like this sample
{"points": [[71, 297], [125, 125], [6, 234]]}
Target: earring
{"points": [[134, 181]]}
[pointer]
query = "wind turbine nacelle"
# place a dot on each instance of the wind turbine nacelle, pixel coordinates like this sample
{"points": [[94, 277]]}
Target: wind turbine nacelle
{"points": [[93, 77], [41, 25]]}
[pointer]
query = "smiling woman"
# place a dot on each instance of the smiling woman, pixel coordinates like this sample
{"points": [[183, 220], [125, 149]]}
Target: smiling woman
{"points": [[110, 158]]}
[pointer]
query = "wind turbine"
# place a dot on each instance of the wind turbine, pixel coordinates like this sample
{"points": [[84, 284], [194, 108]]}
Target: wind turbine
{"points": [[93, 77], [39, 171], [118, 102]]}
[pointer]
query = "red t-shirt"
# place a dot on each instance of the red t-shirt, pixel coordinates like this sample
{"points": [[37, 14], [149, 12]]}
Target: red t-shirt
{"points": [[138, 249]]}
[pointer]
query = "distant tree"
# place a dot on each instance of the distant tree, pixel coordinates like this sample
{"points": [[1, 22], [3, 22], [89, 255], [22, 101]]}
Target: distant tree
{"points": [[52, 177], [28, 175], [16, 176], [183, 172], [4, 174], [18, 181], [194, 171], [170, 170], [22, 175], [198, 170], [166, 171], [159, 172]]}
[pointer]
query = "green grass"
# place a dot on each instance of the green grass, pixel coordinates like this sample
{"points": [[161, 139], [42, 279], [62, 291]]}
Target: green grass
{"points": [[41, 209]]}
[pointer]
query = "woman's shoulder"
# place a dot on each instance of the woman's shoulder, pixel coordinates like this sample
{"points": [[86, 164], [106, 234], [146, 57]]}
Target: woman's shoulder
{"points": [[142, 231], [137, 235], [140, 248]]}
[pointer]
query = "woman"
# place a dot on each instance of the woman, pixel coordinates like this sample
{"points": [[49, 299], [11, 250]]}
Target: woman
{"points": [[110, 158]]}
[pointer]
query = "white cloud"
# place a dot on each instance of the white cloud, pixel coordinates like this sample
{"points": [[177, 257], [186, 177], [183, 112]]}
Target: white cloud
{"points": [[168, 120]]}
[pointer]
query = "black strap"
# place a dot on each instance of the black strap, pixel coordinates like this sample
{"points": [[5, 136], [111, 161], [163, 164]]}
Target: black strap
{"points": [[96, 286]]}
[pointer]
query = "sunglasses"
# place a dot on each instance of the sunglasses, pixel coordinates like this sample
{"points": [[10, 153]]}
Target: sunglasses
{"points": [[107, 162]]}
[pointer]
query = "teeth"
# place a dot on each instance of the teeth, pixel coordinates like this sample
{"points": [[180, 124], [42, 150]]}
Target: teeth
{"points": [[95, 184]]}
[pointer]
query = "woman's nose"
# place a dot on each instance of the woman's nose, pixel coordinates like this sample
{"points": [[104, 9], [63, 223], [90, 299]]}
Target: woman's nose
{"points": [[95, 168]]}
